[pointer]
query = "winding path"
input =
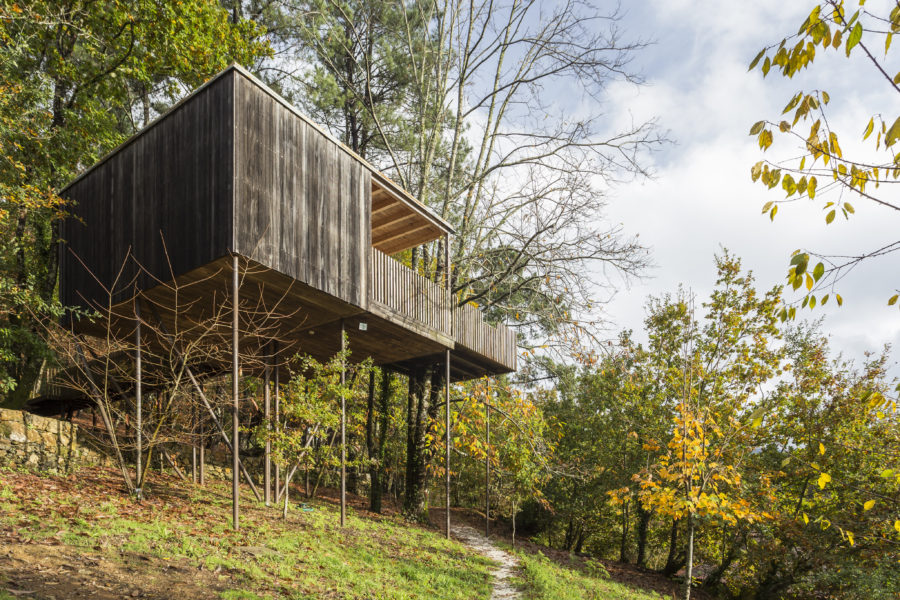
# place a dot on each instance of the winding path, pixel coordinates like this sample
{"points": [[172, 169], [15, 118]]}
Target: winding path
{"points": [[503, 585]]}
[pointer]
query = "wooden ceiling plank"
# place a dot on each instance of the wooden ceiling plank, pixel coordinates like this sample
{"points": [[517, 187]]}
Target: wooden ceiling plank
{"points": [[389, 227], [391, 213], [414, 233], [407, 241]]}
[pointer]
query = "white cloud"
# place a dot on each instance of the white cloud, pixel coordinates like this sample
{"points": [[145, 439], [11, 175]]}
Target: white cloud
{"points": [[703, 199]]}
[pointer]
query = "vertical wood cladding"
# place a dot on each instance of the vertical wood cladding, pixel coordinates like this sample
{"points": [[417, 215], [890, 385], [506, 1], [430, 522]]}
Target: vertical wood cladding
{"points": [[231, 168], [301, 203], [173, 182]]}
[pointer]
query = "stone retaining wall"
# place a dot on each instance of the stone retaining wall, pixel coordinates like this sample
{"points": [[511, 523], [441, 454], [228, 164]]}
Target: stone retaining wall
{"points": [[40, 443], [54, 446]]}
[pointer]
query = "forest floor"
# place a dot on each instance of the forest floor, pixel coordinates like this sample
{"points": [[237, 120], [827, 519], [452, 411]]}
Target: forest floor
{"points": [[81, 537]]}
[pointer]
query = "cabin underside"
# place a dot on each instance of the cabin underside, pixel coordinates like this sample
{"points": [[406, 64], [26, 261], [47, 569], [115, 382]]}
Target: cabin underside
{"points": [[277, 311]]}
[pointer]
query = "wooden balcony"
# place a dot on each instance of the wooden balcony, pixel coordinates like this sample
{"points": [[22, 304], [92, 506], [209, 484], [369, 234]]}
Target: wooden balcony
{"points": [[399, 293], [474, 337]]}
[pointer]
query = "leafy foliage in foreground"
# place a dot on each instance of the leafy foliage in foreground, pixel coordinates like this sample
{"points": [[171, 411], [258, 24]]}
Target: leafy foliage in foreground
{"points": [[821, 171]]}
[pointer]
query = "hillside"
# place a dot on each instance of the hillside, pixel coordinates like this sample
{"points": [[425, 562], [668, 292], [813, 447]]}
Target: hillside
{"points": [[80, 537]]}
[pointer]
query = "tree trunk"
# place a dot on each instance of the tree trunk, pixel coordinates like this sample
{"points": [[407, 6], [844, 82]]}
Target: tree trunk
{"points": [[689, 561], [643, 526], [414, 499], [418, 453], [772, 584], [582, 537], [374, 496], [377, 469], [673, 563], [623, 543], [352, 475], [514, 507], [714, 578], [569, 538]]}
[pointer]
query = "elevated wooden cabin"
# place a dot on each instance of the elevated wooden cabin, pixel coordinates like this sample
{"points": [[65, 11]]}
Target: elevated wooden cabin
{"points": [[234, 169]]}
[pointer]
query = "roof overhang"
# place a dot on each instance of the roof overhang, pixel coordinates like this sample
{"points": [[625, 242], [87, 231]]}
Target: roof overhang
{"points": [[398, 222]]}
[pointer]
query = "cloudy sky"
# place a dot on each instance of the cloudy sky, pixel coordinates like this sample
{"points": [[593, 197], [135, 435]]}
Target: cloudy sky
{"points": [[702, 199]]}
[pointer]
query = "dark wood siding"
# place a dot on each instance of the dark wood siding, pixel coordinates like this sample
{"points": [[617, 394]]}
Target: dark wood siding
{"points": [[301, 203], [173, 182]]}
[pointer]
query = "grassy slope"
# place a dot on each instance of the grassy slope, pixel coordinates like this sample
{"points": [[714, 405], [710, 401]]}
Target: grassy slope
{"points": [[80, 537], [545, 579], [49, 523]]}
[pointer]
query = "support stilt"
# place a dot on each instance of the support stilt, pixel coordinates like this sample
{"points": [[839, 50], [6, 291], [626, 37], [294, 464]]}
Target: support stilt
{"points": [[487, 474], [447, 425], [137, 401], [277, 415], [267, 475], [343, 432], [194, 419], [201, 454], [235, 366], [447, 274]]}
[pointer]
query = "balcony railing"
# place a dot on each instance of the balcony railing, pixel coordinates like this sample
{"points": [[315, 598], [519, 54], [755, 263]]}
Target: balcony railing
{"points": [[494, 342], [423, 303], [409, 294]]}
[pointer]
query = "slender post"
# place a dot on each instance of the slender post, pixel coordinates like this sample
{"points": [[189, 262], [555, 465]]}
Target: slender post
{"points": [[447, 424], [287, 486], [267, 475], [201, 433], [194, 418], [447, 263], [487, 475], [447, 378], [137, 399], [277, 413], [235, 366], [343, 432]]}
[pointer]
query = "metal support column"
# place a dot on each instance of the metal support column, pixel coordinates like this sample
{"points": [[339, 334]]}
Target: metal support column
{"points": [[487, 473], [137, 400], [235, 373], [194, 419], [267, 475], [343, 431], [201, 454], [447, 376], [277, 414], [447, 425]]}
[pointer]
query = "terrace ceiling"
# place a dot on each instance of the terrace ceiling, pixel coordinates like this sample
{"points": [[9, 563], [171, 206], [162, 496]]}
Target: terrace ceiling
{"points": [[400, 223]]}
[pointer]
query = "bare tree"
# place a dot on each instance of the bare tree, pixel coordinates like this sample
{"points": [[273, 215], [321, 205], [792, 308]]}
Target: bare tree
{"points": [[181, 331]]}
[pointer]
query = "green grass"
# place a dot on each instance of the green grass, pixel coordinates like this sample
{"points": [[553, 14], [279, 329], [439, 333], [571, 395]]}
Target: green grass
{"points": [[309, 556], [544, 579]]}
